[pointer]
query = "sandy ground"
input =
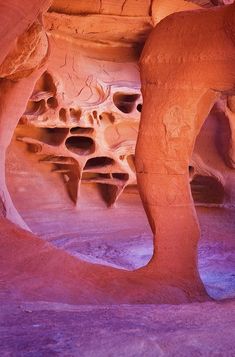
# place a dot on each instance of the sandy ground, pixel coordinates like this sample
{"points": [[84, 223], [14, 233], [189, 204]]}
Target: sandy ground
{"points": [[52, 329], [120, 237]]}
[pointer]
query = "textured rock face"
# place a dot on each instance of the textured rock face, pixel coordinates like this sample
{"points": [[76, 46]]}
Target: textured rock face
{"points": [[82, 119], [28, 53], [71, 110], [77, 102], [83, 115], [18, 60], [16, 18]]}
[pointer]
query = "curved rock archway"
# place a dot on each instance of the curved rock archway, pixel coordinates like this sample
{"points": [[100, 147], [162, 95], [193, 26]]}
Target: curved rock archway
{"points": [[162, 157]]}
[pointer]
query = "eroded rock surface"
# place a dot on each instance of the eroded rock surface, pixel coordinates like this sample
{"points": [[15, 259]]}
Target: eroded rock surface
{"points": [[70, 80]]}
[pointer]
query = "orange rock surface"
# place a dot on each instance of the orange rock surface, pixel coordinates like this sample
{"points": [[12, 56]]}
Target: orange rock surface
{"points": [[116, 124]]}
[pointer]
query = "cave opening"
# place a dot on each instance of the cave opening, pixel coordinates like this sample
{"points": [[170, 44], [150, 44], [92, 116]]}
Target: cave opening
{"points": [[35, 108], [99, 161], [125, 102], [80, 145], [77, 130], [82, 273], [52, 102]]}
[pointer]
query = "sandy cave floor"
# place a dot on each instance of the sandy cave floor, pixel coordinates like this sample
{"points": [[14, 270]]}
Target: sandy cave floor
{"points": [[113, 237], [52, 329], [40, 328]]}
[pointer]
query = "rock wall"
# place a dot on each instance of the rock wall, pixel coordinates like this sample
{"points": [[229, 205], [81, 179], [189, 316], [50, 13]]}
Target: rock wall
{"points": [[24, 50]]}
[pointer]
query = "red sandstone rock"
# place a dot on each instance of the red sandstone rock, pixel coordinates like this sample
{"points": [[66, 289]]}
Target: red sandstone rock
{"points": [[15, 18], [23, 50], [17, 93], [77, 103], [80, 115], [179, 88]]}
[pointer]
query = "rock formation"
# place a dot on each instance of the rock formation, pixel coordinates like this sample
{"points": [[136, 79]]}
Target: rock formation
{"points": [[25, 49], [73, 77], [179, 91], [85, 125]]}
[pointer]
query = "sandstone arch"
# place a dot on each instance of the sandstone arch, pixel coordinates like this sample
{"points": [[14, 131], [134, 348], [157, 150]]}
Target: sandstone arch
{"points": [[172, 275]]}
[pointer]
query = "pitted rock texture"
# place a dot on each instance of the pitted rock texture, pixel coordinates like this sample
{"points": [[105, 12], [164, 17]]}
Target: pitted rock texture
{"points": [[80, 126], [85, 127], [88, 132], [82, 120], [83, 115]]}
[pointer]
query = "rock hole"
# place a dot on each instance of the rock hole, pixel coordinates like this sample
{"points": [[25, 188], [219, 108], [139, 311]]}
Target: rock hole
{"points": [[75, 114], [88, 176], [35, 108], [34, 148], [52, 103], [54, 136], [139, 108], [100, 161], [125, 102], [80, 145], [107, 118], [90, 119], [69, 169], [109, 193], [79, 130], [45, 84], [95, 114], [63, 115], [60, 160], [120, 176], [93, 176]]}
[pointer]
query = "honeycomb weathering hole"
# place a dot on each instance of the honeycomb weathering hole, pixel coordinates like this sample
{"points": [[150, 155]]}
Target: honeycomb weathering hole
{"points": [[80, 130], [125, 102], [95, 176], [75, 114], [45, 84], [80, 145], [120, 176], [109, 193], [54, 136], [98, 162], [107, 118], [52, 102], [36, 108], [63, 114]]}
